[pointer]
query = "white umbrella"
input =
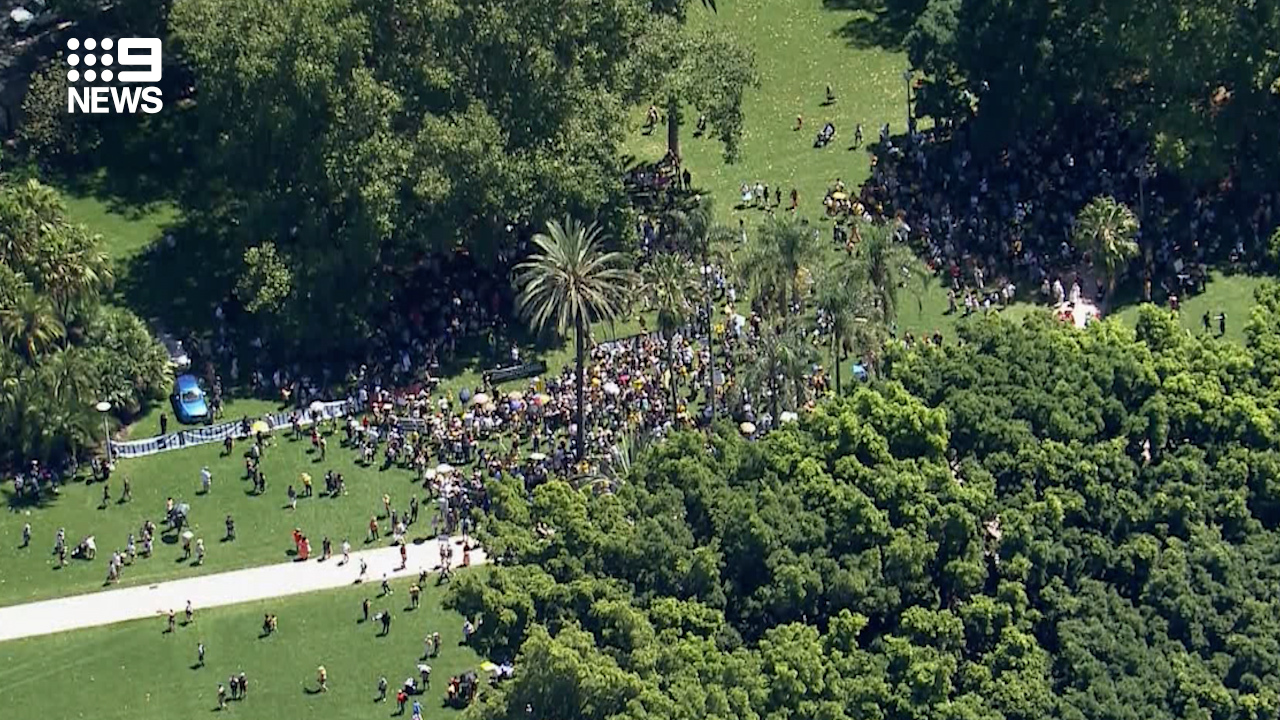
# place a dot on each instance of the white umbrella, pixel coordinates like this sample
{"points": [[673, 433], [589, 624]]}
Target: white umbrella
{"points": [[480, 399], [516, 395], [788, 416], [537, 457], [317, 406], [21, 15], [431, 474], [188, 535], [611, 388], [444, 468], [747, 428]]}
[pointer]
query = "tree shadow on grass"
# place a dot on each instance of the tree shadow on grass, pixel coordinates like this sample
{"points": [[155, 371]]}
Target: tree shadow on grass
{"points": [[18, 502], [180, 285], [882, 24]]}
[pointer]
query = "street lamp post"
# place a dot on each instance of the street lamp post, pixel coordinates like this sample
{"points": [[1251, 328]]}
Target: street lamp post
{"points": [[906, 78], [104, 407]]}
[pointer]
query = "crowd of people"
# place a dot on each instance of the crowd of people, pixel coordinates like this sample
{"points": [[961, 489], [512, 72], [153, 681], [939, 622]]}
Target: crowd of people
{"points": [[1012, 213]]}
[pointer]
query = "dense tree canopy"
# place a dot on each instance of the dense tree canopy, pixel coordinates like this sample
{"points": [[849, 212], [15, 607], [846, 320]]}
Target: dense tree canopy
{"points": [[1037, 522], [1200, 80], [61, 349], [358, 136]]}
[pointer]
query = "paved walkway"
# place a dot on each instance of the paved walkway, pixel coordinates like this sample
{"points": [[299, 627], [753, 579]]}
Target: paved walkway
{"points": [[229, 588]]}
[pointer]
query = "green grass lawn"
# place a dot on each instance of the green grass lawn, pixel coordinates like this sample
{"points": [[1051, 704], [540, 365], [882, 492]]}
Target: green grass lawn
{"points": [[800, 46], [126, 227], [1232, 294], [133, 671], [263, 525]]}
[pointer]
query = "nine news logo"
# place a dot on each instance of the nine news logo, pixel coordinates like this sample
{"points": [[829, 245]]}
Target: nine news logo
{"points": [[121, 98]]}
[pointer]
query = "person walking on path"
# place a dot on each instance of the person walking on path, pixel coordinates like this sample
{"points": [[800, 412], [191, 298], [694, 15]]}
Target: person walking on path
{"points": [[346, 551], [404, 555]]}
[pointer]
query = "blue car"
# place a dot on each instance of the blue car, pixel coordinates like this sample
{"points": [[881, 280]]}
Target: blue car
{"points": [[188, 400]]}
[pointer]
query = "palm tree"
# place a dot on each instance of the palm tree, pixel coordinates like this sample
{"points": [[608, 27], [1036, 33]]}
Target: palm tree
{"points": [[669, 285], [777, 261], [886, 265], [1106, 230], [31, 325], [852, 314], [570, 282], [795, 359], [73, 269]]}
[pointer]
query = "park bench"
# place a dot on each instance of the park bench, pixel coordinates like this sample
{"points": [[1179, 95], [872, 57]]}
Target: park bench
{"points": [[516, 372]]}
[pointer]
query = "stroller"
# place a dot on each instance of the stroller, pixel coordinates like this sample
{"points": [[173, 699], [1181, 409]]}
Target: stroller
{"points": [[825, 136]]}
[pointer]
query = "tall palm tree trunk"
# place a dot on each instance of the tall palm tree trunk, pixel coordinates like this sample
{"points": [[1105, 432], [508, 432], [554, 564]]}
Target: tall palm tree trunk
{"points": [[838, 360], [711, 340], [671, 381], [580, 440]]}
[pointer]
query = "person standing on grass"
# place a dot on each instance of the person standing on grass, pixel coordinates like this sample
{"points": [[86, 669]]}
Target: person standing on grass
{"points": [[385, 618], [26, 536], [382, 689], [235, 687], [126, 491], [199, 551], [326, 548], [231, 528], [415, 593], [401, 699], [200, 655], [206, 479], [293, 498], [346, 551], [244, 681], [222, 696], [172, 618], [322, 677], [386, 587], [1222, 323], [364, 609], [191, 613], [417, 710], [373, 528]]}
